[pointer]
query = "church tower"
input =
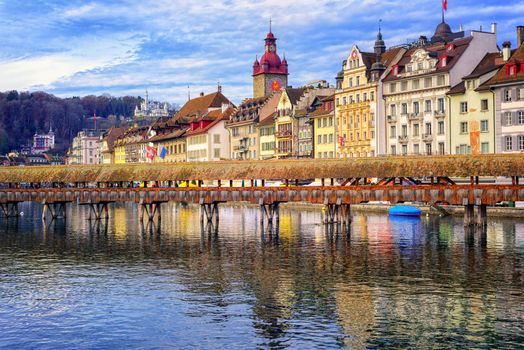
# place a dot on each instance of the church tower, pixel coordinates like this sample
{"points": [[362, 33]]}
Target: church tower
{"points": [[270, 74]]}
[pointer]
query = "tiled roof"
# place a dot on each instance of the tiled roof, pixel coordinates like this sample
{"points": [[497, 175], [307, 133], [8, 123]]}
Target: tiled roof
{"points": [[111, 135], [169, 136], [294, 94], [328, 98], [219, 116], [268, 121], [390, 54], [436, 50], [200, 105], [248, 110], [491, 61], [502, 76], [460, 88]]}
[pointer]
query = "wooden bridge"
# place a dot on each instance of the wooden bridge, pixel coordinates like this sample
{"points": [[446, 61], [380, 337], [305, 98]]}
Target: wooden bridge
{"points": [[340, 183]]}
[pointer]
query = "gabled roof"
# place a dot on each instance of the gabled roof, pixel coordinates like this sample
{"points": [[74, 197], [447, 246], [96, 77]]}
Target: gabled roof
{"points": [[491, 61], [248, 111], [502, 77], [169, 136], [200, 105], [435, 50], [294, 94], [111, 135], [218, 116]]}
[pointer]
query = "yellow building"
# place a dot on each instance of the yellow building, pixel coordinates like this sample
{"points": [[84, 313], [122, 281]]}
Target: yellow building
{"points": [[357, 99], [175, 143], [120, 150], [324, 130], [284, 121], [472, 113], [107, 145]]}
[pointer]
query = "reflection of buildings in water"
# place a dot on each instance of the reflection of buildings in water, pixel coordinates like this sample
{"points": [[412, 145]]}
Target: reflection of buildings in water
{"points": [[120, 215], [356, 313]]}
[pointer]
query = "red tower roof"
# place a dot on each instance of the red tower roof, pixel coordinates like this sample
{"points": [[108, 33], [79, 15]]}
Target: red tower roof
{"points": [[270, 62]]}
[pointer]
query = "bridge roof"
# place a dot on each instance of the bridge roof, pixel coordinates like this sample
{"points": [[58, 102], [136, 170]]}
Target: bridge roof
{"points": [[451, 166]]}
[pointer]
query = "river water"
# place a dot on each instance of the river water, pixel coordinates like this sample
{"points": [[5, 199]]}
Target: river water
{"points": [[390, 283]]}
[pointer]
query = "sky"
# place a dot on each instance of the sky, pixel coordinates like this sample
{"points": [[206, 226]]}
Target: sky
{"points": [[122, 47]]}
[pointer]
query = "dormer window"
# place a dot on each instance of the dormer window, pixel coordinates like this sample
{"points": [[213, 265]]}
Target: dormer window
{"points": [[395, 70], [443, 61], [511, 69], [450, 47]]}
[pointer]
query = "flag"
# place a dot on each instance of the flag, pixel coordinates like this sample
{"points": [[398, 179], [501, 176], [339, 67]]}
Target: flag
{"points": [[162, 152], [445, 5], [150, 153], [94, 118]]}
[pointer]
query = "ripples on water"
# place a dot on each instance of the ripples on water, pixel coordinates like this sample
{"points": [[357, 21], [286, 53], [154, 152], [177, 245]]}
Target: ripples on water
{"points": [[393, 283]]}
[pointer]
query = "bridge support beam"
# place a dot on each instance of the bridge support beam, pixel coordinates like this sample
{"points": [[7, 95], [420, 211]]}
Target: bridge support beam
{"points": [[209, 212], [10, 209], [151, 210], [337, 213], [482, 215], [56, 210], [270, 213]]}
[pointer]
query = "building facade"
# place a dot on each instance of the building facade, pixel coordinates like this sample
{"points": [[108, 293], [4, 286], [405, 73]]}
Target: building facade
{"points": [[106, 151], [43, 142], [508, 88], [324, 127], [415, 89], [84, 148], [472, 111]]}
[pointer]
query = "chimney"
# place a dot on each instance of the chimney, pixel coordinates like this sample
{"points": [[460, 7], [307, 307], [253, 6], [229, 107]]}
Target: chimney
{"points": [[520, 35], [506, 50], [461, 28], [494, 28]]}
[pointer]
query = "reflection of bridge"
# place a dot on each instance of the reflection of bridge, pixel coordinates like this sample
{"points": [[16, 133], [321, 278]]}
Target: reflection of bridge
{"points": [[395, 180]]}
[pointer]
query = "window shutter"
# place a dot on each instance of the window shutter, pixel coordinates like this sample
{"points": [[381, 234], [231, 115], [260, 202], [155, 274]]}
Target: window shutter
{"points": [[503, 119], [513, 94], [515, 118], [515, 144]]}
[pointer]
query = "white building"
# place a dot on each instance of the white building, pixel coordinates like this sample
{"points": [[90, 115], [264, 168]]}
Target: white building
{"points": [[84, 148], [43, 142], [415, 89], [208, 139], [151, 109]]}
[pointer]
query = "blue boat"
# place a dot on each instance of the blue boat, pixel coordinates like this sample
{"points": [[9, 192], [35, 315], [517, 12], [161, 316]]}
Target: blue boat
{"points": [[404, 210]]}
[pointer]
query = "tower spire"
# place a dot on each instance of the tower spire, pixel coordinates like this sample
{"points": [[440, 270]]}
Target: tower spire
{"points": [[270, 23]]}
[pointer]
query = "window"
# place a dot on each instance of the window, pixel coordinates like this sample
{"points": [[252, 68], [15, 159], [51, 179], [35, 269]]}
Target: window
{"points": [[393, 110], [216, 138], [330, 121], [372, 96], [330, 138], [324, 122], [427, 82], [350, 82], [507, 95], [484, 147], [404, 150], [416, 130], [338, 101], [365, 97], [428, 105], [441, 80], [404, 130], [440, 128], [521, 142], [508, 118], [393, 132], [358, 98], [404, 86], [319, 139], [520, 117], [216, 153], [440, 104], [319, 155], [463, 127], [404, 108], [428, 128], [484, 126], [324, 139], [484, 105], [392, 87], [428, 149], [441, 148], [319, 123], [463, 107], [393, 150], [416, 108], [344, 100], [416, 148], [420, 66], [508, 142], [416, 84], [358, 81]]}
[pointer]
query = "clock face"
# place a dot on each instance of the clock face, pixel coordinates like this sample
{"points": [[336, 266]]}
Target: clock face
{"points": [[354, 54], [272, 48], [275, 84]]}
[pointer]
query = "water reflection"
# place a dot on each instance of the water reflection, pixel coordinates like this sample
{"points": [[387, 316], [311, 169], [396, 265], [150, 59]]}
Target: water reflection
{"points": [[382, 282]]}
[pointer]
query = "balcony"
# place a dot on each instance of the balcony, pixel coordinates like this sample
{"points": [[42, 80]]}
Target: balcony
{"points": [[403, 139], [439, 114], [283, 134], [392, 118], [427, 137], [415, 116]]}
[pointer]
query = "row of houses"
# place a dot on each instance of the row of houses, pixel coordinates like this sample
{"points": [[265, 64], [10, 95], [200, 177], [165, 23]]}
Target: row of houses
{"points": [[453, 93]]}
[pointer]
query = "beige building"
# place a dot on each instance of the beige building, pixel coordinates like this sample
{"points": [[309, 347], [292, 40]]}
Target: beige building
{"points": [[106, 145], [324, 127], [84, 148], [415, 89]]}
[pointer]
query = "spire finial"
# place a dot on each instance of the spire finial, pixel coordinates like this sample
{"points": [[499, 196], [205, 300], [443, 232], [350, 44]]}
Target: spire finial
{"points": [[379, 25], [270, 22]]}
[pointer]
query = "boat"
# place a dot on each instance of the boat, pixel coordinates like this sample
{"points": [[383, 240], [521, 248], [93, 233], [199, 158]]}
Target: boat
{"points": [[404, 210]]}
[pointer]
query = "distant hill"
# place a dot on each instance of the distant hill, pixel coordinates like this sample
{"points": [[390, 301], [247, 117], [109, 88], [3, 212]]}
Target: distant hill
{"points": [[24, 113]]}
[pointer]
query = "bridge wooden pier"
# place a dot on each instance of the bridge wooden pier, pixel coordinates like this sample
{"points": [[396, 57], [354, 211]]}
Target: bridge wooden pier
{"points": [[467, 181]]}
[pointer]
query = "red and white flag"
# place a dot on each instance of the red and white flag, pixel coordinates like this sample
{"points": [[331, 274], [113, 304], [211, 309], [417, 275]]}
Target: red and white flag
{"points": [[445, 5], [150, 153]]}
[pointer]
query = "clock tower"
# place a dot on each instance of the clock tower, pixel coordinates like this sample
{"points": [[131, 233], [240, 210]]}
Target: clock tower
{"points": [[270, 74]]}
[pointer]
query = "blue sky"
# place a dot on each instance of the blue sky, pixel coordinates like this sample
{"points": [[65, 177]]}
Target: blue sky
{"points": [[75, 48]]}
